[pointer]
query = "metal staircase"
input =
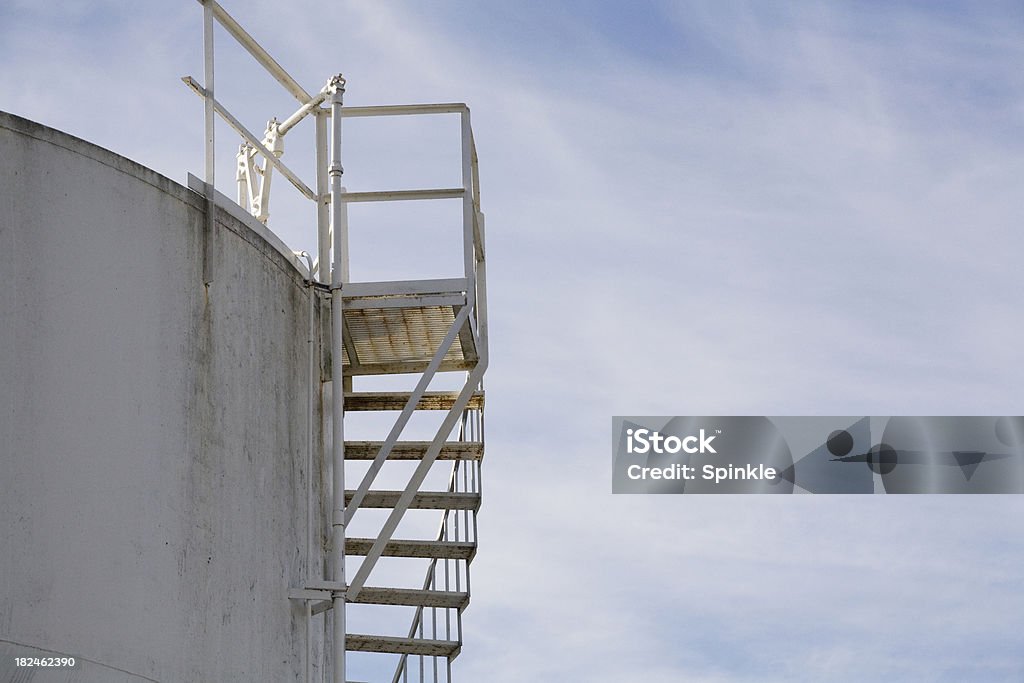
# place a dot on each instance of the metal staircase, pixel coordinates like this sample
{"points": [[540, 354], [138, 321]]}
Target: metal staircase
{"points": [[434, 637], [412, 328]]}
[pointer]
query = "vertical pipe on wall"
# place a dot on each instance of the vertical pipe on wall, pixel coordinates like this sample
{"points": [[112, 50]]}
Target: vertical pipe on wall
{"points": [[337, 90]]}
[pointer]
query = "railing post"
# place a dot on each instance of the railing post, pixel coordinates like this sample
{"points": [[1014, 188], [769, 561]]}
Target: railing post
{"points": [[208, 117], [323, 218]]}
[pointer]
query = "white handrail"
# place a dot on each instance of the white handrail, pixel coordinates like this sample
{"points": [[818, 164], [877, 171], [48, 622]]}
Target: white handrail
{"points": [[256, 50]]}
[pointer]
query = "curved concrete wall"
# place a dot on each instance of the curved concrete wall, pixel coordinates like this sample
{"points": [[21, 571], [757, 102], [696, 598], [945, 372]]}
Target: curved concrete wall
{"points": [[152, 429]]}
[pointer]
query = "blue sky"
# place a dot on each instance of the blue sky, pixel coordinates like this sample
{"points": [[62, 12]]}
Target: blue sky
{"points": [[693, 208]]}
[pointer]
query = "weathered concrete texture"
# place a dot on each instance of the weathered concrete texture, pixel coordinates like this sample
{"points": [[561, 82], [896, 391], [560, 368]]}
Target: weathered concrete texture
{"points": [[152, 430]]}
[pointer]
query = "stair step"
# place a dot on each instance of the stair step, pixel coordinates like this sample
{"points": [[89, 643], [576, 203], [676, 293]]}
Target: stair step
{"points": [[414, 450], [396, 400], [426, 500], [355, 642], [444, 550], [411, 597]]}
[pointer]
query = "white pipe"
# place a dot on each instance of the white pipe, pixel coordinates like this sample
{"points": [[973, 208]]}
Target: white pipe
{"points": [[302, 112], [337, 91]]}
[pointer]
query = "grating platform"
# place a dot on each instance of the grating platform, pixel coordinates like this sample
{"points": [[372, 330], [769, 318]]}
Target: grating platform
{"points": [[397, 327]]}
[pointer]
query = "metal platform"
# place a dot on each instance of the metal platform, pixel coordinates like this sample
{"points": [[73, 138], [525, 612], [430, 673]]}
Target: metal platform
{"points": [[397, 327]]}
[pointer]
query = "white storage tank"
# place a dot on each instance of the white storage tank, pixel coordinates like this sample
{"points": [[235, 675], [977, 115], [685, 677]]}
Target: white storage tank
{"points": [[153, 429]]}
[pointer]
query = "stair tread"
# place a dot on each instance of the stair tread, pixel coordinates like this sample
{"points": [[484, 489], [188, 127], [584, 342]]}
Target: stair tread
{"points": [[396, 400], [357, 642], [423, 500], [414, 450], [451, 550], [411, 597]]}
